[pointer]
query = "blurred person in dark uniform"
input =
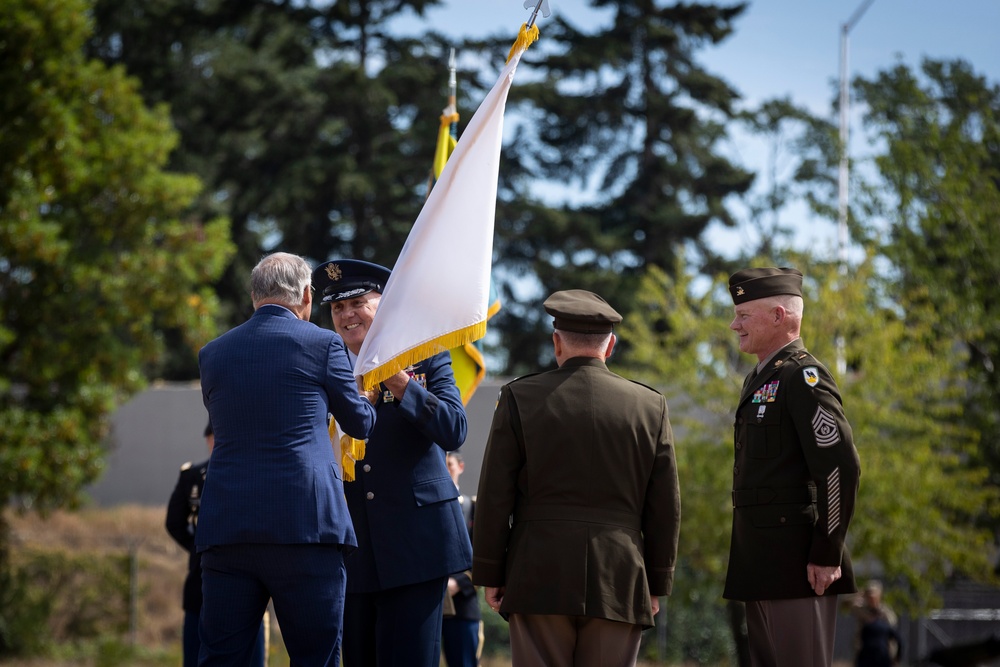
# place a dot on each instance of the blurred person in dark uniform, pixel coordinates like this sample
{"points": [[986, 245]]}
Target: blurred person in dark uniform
{"points": [[878, 641], [411, 533], [795, 480], [273, 522], [578, 508], [182, 520], [462, 627], [456, 466]]}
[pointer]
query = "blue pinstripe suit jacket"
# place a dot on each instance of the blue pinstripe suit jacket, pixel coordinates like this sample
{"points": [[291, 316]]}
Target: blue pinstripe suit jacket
{"points": [[272, 478]]}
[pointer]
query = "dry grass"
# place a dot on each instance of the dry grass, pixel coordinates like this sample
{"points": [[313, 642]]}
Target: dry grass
{"points": [[162, 567], [162, 564]]}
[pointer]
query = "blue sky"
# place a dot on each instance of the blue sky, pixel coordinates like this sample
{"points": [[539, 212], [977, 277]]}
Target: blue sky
{"points": [[791, 48]]}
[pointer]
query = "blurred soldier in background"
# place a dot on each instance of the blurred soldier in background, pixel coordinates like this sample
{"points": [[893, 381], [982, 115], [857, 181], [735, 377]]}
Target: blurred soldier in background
{"points": [[182, 520], [462, 628], [878, 641]]}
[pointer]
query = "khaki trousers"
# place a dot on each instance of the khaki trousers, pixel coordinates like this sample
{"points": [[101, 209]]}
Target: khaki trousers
{"points": [[792, 633], [548, 640]]}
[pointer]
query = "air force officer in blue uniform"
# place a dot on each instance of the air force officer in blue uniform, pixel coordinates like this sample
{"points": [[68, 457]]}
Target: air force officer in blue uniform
{"points": [[273, 521], [411, 533]]}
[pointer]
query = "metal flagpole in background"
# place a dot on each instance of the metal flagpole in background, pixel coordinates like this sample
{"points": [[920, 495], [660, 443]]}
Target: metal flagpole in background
{"points": [[843, 174]]}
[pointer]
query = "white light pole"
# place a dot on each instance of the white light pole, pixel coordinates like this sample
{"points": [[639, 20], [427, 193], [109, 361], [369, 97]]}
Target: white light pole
{"points": [[842, 177]]}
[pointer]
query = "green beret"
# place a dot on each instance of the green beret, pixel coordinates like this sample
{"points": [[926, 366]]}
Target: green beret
{"points": [[581, 311], [753, 284]]}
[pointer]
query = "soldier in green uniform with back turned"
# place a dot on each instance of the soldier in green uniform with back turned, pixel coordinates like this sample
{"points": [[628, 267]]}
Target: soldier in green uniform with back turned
{"points": [[794, 482], [583, 460]]}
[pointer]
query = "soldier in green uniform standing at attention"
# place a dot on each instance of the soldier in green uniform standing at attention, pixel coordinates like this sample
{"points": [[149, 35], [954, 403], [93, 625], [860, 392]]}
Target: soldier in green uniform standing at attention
{"points": [[794, 482]]}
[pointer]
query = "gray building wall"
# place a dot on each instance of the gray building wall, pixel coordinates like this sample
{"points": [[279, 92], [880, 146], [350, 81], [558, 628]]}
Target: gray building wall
{"points": [[160, 429]]}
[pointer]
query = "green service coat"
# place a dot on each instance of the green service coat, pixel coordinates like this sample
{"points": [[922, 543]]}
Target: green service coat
{"points": [[583, 460], [794, 482]]}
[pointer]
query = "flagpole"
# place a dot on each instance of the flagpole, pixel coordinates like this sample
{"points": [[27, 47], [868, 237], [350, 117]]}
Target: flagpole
{"points": [[452, 93], [534, 14], [452, 83]]}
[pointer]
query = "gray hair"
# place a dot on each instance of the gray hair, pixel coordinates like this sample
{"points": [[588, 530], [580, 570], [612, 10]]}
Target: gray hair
{"points": [[280, 277], [792, 303], [588, 342]]}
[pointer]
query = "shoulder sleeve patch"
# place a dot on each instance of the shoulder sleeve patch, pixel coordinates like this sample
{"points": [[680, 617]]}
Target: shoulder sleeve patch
{"points": [[811, 375]]}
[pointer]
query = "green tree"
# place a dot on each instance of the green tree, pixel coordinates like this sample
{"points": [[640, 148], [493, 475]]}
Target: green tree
{"points": [[99, 257], [941, 196], [918, 498], [626, 114], [312, 124]]}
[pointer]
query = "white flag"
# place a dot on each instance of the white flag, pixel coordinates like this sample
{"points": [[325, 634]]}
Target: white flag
{"points": [[437, 296]]}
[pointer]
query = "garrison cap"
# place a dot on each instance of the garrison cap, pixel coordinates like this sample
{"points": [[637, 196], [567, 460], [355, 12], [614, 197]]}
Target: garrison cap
{"points": [[581, 311], [347, 278], [753, 284]]}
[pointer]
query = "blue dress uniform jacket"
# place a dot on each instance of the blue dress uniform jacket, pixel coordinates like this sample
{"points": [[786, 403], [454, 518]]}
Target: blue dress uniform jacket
{"points": [[403, 502], [795, 481], [273, 477], [584, 460]]}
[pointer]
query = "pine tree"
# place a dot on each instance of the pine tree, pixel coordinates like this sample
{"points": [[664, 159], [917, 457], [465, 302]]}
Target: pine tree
{"points": [[312, 126], [626, 115]]}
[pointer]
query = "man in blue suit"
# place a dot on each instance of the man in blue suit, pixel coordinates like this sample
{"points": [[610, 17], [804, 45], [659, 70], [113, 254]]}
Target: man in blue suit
{"points": [[273, 522], [411, 533]]}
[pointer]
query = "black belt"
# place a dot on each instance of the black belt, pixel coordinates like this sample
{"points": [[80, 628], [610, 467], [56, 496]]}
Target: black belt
{"points": [[767, 496], [573, 513]]}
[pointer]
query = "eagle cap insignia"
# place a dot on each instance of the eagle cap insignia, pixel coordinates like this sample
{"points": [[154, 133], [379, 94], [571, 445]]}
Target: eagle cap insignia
{"points": [[739, 291], [333, 272]]}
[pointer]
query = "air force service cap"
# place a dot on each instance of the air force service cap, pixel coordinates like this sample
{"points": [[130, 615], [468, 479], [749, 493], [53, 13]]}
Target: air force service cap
{"points": [[752, 284], [347, 278], [580, 311]]}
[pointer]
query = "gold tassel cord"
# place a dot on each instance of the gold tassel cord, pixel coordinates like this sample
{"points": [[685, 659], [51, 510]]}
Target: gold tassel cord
{"points": [[525, 37], [352, 450]]}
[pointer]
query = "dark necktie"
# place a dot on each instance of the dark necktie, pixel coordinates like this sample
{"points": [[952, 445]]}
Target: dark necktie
{"points": [[750, 378]]}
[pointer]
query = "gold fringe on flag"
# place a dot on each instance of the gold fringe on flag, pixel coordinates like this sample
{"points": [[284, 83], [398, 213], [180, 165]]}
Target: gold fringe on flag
{"points": [[525, 37], [415, 355]]}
